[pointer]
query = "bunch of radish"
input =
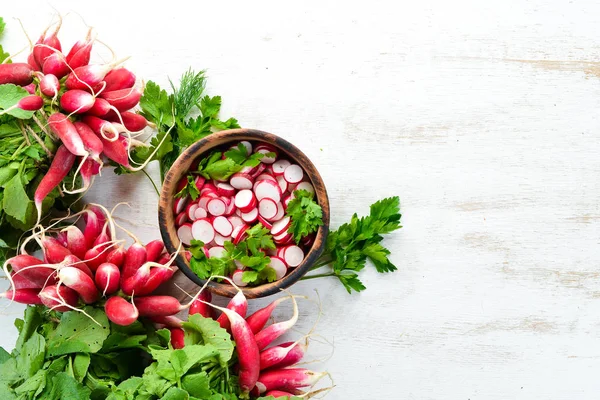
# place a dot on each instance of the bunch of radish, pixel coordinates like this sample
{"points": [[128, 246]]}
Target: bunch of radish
{"points": [[225, 210], [88, 109]]}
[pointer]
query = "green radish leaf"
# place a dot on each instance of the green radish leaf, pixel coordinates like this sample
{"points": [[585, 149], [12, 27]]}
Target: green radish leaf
{"points": [[9, 97], [4, 355], [35, 384], [81, 363], [176, 394], [65, 387], [6, 393], [210, 333], [16, 203], [31, 356], [77, 334], [197, 385]]}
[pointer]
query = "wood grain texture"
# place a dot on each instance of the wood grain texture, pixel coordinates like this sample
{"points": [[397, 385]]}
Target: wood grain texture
{"points": [[481, 115]]}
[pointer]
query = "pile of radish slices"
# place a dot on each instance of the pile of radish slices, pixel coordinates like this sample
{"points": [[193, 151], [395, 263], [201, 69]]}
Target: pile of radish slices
{"points": [[225, 210]]}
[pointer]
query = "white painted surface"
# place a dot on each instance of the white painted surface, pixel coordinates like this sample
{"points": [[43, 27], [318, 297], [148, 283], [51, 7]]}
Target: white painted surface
{"points": [[482, 116]]}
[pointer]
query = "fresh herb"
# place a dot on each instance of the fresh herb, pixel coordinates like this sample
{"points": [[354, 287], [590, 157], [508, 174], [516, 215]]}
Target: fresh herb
{"points": [[190, 189], [215, 166], [305, 215], [348, 248]]}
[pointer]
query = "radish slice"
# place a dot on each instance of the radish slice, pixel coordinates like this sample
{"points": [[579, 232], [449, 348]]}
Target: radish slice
{"points": [[264, 150], [286, 200], [200, 181], [244, 199], [256, 171], [281, 252], [280, 212], [293, 255], [251, 216], [203, 203], [267, 177], [239, 233], [239, 265], [305, 186], [268, 190], [248, 146], [181, 219], [181, 184], [282, 237], [200, 213], [279, 166], [184, 233], [280, 226], [203, 230], [279, 266], [191, 211], [267, 208], [241, 181], [179, 204], [230, 207], [220, 240], [222, 226], [283, 184], [237, 278], [235, 221], [225, 189], [264, 222], [293, 173], [216, 252], [208, 188], [216, 207]]}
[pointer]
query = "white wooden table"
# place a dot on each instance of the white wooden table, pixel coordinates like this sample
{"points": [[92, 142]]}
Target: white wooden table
{"points": [[482, 116]]}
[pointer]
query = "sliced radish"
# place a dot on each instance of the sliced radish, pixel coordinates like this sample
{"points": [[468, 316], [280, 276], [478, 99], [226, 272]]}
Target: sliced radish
{"points": [[286, 200], [279, 266], [238, 213], [281, 252], [216, 207], [293, 173], [244, 200], [247, 145], [216, 252], [280, 226], [203, 202], [225, 189], [222, 226], [239, 265], [200, 213], [237, 278], [268, 190], [250, 216], [264, 149], [181, 219], [267, 208], [241, 181], [208, 188], [179, 204], [267, 177], [264, 222], [305, 186], [191, 210], [184, 233], [256, 171], [200, 181], [283, 184], [280, 212], [294, 255], [282, 237], [308, 240], [239, 233], [203, 230], [220, 240], [235, 221], [279, 166]]}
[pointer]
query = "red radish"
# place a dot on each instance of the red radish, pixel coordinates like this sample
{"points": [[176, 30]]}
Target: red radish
{"points": [[134, 258], [181, 219], [279, 166], [200, 213], [49, 85], [279, 266], [119, 78], [100, 108], [46, 46], [62, 127], [61, 165], [280, 212], [266, 336], [120, 311], [294, 255], [92, 228], [19, 282], [30, 88], [236, 277], [55, 297], [265, 177], [81, 283], [223, 226], [208, 187], [117, 150], [32, 63], [184, 233], [154, 249], [54, 252], [203, 230], [56, 65], [239, 233], [87, 76], [80, 53], [123, 99], [264, 222], [77, 101], [225, 189], [155, 306], [280, 226], [259, 319], [250, 216], [230, 207], [203, 202], [177, 338], [190, 210], [107, 278], [268, 190], [28, 103], [264, 150], [239, 304], [95, 256], [279, 394], [74, 261], [267, 208], [241, 181], [287, 379], [101, 127], [220, 240], [103, 238], [283, 184], [216, 207], [284, 355], [199, 306], [245, 200], [235, 221], [179, 204], [157, 277], [256, 172], [91, 142], [170, 321], [293, 173], [216, 252], [132, 121], [16, 73], [286, 200], [282, 237], [305, 186], [23, 296]]}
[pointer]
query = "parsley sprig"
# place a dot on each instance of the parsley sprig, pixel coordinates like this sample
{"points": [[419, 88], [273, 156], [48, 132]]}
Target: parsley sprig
{"points": [[305, 215], [215, 166], [348, 249]]}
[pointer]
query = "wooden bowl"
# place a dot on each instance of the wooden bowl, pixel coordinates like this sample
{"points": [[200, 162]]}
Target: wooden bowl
{"points": [[180, 168]]}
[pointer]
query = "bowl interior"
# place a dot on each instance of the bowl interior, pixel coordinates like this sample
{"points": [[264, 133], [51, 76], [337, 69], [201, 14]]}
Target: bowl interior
{"points": [[202, 148]]}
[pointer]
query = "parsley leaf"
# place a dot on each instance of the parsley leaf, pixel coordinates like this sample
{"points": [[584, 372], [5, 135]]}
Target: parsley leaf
{"points": [[190, 189], [305, 214]]}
